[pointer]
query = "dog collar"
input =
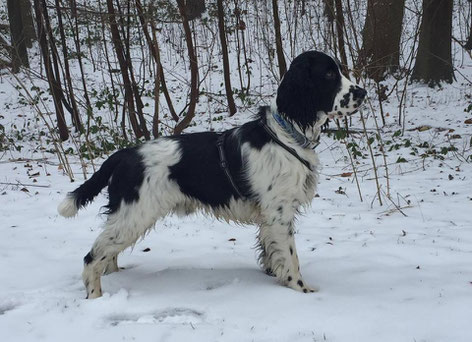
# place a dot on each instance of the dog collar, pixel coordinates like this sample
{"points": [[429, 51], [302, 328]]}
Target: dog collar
{"points": [[301, 139]]}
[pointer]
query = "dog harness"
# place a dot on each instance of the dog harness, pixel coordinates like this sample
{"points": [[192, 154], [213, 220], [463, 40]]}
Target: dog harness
{"points": [[220, 143]]}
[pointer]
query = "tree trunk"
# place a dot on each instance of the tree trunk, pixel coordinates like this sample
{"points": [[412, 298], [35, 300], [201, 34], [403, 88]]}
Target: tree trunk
{"points": [[28, 24], [118, 44], [380, 53], [75, 110], [224, 49], [340, 30], [19, 54], [278, 40], [468, 43], [434, 60], [54, 85], [328, 10], [154, 47], [193, 71], [194, 8]]}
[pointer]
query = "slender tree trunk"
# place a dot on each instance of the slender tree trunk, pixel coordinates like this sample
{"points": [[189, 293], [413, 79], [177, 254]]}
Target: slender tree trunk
{"points": [[382, 31], [328, 10], [194, 9], [120, 54], [434, 59], [340, 31], [54, 85], [468, 43], [193, 71], [154, 47], [278, 40], [157, 82], [28, 23], [224, 50], [75, 110], [19, 54], [75, 25]]}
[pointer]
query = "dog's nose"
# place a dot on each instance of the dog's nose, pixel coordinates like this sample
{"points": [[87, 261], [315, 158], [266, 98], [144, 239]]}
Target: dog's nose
{"points": [[359, 93]]}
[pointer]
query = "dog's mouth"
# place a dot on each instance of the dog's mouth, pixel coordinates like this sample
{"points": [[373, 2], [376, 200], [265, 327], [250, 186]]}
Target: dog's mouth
{"points": [[335, 115], [338, 115]]}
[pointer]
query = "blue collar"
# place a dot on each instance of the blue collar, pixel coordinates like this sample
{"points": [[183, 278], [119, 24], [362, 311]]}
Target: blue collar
{"points": [[301, 139]]}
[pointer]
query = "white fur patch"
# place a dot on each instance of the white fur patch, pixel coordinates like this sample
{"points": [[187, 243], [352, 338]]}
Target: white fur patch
{"points": [[67, 207]]}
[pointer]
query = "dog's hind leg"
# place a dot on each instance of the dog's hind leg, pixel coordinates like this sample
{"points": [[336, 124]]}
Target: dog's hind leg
{"points": [[280, 254], [119, 233]]}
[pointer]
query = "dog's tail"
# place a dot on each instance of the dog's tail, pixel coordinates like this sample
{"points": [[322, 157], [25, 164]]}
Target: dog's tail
{"points": [[85, 193]]}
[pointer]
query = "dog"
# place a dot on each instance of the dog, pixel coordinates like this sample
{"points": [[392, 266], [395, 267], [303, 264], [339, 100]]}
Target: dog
{"points": [[262, 173]]}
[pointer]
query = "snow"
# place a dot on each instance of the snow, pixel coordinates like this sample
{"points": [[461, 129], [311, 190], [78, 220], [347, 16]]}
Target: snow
{"points": [[383, 276]]}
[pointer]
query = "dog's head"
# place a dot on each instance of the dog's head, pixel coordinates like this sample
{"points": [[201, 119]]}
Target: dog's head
{"points": [[314, 84]]}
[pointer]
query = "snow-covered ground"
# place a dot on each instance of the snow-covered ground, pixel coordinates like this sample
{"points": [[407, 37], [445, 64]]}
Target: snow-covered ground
{"points": [[397, 272], [383, 276]]}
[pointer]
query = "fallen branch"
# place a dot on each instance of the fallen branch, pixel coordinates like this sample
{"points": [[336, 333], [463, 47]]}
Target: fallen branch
{"points": [[21, 184]]}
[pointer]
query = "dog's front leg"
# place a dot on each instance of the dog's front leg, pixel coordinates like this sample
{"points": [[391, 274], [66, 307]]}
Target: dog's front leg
{"points": [[278, 251]]}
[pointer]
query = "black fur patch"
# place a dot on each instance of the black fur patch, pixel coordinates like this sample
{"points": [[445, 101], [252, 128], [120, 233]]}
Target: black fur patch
{"points": [[88, 258], [199, 173], [126, 179]]}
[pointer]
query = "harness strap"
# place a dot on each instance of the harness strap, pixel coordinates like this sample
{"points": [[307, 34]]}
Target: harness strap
{"points": [[220, 142], [305, 162]]}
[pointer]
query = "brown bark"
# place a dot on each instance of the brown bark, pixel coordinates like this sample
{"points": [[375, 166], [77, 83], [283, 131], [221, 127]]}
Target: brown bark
{"points": [[19, 54], [434, 59], [193, 71], [73, 5], [340, 31], [328, 10], [468, 43], [75, 110], [118, 44], [28, 24], [278, 40], [54, 85], [224, 50], [154, 47], [380, 53], [155, 117], [194, 8]]}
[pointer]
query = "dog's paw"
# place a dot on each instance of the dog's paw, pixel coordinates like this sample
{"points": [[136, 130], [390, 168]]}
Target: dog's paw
{"points": [[299, 285]]}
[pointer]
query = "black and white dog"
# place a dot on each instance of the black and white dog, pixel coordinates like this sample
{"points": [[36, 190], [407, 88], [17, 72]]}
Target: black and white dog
{"points": [[260, 173]]}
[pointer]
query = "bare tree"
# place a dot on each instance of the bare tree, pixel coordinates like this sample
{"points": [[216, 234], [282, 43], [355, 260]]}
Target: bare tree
{"points": [[28, 23], [194, 8], [340, 30], [468, 43], [138, 129], [278, 40], [382, 31], [434, 59], [193, 71], [224, 50], [19, 53], [54, 84]]}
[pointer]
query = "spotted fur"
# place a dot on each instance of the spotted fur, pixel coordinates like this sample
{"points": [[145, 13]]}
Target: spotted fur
{"points": [[182, 174]]}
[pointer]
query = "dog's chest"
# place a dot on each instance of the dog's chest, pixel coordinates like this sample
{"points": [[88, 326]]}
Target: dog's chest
{"points": [[276, 176]]}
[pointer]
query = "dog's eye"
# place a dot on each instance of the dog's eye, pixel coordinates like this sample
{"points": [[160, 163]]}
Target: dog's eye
{"points": [[330, 75]]}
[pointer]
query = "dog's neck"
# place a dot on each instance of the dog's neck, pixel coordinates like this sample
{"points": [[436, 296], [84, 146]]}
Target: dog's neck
{"points": [[307, 139]]}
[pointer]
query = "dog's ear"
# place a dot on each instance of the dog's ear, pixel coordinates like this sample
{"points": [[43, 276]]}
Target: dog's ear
{"points": [[296, 96]]}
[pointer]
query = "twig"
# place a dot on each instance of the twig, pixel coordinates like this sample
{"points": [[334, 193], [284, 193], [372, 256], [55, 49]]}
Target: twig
{"points": [[21, 184]]}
